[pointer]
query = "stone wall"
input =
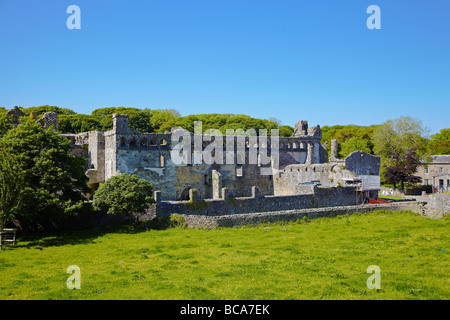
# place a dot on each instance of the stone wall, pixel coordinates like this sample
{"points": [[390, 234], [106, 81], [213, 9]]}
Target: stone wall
{"points": [[195, 221], [437, 204], [257, 202], [363, 163], [124, 150], [355, 168]]}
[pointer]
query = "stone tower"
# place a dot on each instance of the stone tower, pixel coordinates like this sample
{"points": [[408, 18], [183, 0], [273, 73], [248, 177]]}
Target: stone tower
{"points": [[120, 123]]}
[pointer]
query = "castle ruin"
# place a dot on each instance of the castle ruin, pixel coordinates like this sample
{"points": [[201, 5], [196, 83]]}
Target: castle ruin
{"points": [[302, 163], [301, 174]]}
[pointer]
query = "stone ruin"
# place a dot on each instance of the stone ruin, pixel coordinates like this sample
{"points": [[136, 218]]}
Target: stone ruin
{"points": [[47, 120], [302, 164], [302, 176]]}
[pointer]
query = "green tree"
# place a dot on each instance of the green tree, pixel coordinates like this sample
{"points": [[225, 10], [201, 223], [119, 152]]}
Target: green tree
{"points": [[124, 194], [354, 144], [46, 108], [440, 142], [223, 122], [164, 119], [9, 189], [399, 136], [76, 123], [138, 119], [350, 138], [286, 131], [40, 180], [5, 124]]}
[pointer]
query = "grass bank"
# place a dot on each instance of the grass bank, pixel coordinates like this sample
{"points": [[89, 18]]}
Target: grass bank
{"points": [[320, 259]]}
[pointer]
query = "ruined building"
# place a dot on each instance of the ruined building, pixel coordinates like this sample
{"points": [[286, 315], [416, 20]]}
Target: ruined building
{"points": [[297, 165], [301, 163], [47, 120]]}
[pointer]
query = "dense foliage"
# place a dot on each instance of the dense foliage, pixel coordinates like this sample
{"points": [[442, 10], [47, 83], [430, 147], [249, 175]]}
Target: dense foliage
{"points": [[39, 179], [403, 168], [152, 120], [124, 194]]}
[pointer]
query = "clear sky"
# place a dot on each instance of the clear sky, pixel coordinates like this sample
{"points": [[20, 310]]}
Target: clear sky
{"points": [[288, 59]]}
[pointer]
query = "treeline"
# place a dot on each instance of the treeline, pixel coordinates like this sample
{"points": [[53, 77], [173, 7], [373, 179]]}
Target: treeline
{"points": [[398, 135], [153, 120], [394, 135]]}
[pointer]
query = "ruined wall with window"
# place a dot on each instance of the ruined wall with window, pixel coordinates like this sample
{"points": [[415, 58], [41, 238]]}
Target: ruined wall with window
{"points": [[243, 163]]}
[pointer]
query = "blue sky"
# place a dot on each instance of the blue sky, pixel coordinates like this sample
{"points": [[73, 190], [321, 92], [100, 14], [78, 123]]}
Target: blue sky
{"points": [[291, 60]]}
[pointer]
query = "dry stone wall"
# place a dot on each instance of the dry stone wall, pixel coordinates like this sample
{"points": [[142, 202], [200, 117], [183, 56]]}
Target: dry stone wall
{"points": [[195, 221]]}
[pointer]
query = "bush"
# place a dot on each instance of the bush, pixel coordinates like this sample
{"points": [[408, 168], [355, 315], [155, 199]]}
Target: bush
{"points": [[177, 221], [124, 194]]}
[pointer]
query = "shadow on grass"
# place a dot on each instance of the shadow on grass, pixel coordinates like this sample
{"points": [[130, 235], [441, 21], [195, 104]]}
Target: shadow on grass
{"points": [[39, 240]]}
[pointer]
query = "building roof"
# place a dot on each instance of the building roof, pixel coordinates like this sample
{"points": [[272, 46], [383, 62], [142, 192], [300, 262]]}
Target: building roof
{"points": [[444, 159]]}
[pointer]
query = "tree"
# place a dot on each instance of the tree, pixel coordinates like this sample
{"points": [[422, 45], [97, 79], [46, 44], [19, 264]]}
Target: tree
{"points": [[138, 119], [42, 109], [350, 138], [9, 190], [354, 144], [399, 136], [403, 169], [5, 124], [76, 123], [163, 119], [440, 142], [40, 180], [124, 194], [286, 131]]}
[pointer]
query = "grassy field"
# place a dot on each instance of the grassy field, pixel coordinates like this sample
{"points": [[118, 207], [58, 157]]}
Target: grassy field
{"points": [[318, 259]]}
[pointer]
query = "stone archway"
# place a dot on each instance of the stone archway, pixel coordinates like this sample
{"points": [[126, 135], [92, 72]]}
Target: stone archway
{"points": [[185, 194]]}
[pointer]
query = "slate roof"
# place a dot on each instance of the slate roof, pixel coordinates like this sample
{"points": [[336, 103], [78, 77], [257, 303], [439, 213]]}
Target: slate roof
{"points": [[441, 159]]}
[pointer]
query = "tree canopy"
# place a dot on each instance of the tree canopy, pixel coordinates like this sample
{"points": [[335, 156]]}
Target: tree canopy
{"points": [[440, 142], [350, 138], [400, 135], [402, 169], [39, 178]]}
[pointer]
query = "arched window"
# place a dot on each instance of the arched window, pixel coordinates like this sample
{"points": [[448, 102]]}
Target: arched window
{"points": [[133, 144], [122, 143], [185, 194], [162, 162]]}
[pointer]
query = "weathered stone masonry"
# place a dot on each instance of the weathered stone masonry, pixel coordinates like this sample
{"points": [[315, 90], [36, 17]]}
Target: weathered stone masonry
{"points": [[301, 176], [123, 150]]}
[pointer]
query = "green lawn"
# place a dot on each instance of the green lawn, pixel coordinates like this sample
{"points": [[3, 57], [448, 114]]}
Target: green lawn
{"points": [[319, 259], [391, 198]]}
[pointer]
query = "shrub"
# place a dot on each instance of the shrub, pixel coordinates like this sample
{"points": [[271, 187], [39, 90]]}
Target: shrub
{"points": [[177, 221], [124, 194]]}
